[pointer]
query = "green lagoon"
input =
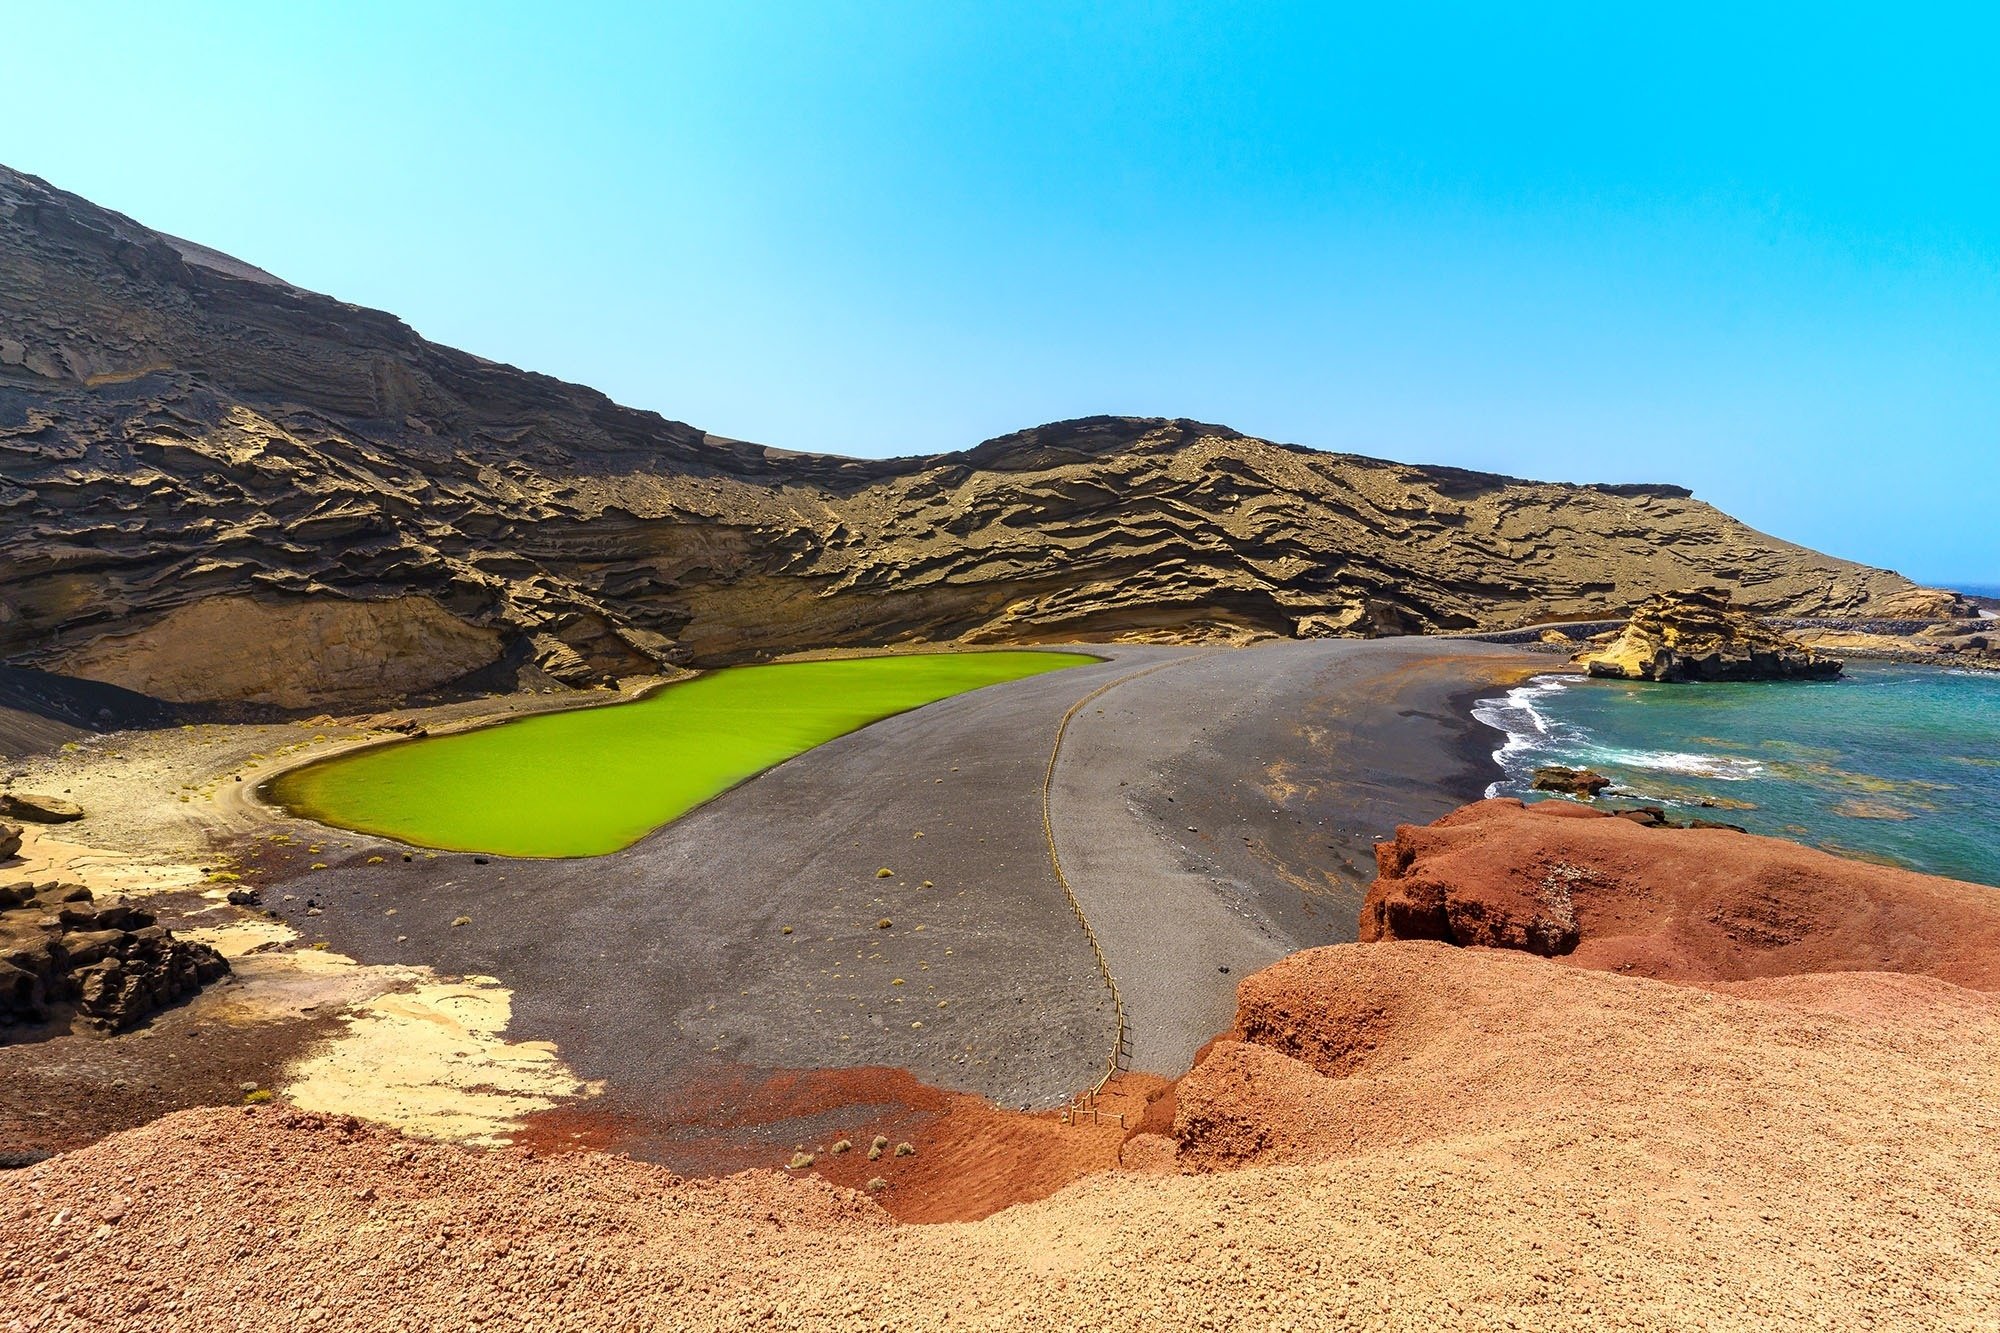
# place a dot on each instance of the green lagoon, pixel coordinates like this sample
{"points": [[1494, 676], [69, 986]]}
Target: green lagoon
{"points": [[593, 780]]}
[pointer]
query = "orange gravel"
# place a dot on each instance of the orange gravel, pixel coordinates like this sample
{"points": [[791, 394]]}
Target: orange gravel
{"points": [[975, 1158], [1421, 1136]]}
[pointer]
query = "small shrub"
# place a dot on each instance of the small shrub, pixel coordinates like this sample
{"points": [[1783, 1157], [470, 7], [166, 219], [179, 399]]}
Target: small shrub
{"points": [[800, 1161], [906, 1149], [843, 1145], [259, 1096], [461, 921], [877, 1183], [884, 873]]}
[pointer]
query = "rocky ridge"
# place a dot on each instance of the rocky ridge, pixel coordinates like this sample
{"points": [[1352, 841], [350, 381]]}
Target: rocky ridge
{"points": [[196, 456], [38, 809]]}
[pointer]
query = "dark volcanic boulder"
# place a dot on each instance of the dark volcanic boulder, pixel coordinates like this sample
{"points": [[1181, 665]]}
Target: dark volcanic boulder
{"points": [[1695, 635], [109, 965], [1570, 781]]}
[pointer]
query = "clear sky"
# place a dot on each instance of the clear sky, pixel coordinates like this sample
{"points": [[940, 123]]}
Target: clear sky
{"points": [[1752, 251]]}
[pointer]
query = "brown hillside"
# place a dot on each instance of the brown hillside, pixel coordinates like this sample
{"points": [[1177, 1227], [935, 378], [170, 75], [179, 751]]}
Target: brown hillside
{"points": [[181, 430]]}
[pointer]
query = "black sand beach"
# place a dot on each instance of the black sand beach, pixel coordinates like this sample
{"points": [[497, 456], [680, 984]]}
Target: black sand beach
{"points": [[1213, 814]]}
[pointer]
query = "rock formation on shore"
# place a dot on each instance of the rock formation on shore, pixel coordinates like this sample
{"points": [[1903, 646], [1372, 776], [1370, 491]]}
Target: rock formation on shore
{"points": [[1566, 781], [1697, 635], [1695, 905], [219, 486], [109, 964]]}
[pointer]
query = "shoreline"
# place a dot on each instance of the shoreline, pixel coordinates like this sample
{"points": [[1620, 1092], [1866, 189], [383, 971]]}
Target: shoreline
{"points": [[526, 901], [646, 688], [1893, 767], [1477, 739]]}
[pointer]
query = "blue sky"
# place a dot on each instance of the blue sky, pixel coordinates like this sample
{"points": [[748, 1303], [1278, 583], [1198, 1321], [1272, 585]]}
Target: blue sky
{"points": [[1752, 251]]}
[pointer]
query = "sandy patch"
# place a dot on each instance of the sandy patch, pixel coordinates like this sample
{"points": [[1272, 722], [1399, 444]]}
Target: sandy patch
{"points": [[421, 1053], [431, 1061], [239, 938], [45, 854]]}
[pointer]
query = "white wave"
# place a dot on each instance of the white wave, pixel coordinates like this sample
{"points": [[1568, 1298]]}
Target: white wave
{"points": [[1528, 730], [1532, 735], [1515, 713], [1725, 768]]}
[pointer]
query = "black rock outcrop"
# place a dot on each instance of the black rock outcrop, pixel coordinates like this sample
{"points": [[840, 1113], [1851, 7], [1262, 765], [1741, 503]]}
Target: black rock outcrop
{"points": [[107, 965]]}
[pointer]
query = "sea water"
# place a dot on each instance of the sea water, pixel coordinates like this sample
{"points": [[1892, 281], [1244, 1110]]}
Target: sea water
{"points": [[1899, 764]]}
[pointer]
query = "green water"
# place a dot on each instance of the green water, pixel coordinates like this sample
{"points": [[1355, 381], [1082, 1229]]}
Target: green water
{"points": [[593, 780], [1895, 763]]}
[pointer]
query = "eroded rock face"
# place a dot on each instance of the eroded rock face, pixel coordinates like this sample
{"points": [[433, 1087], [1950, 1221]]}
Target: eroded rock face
{"points": [[294, 654], [110, 965], [1697, 635], [179, 429], [1700, 904]]}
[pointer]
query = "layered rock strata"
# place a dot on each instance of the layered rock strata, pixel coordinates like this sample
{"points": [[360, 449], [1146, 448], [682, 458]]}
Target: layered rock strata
{"points": [[194, 453], [1694, 635]]}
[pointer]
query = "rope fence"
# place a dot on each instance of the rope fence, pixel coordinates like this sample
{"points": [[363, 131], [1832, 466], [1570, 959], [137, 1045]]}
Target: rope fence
{"points": [[1120, 1057]]}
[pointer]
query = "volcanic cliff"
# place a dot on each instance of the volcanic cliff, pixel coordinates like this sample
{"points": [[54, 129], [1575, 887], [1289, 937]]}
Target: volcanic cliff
{"points": [[217, 486]]}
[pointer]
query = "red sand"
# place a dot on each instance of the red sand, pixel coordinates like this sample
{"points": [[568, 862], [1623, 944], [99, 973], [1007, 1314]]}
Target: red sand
{"points": [[972, 1158]]}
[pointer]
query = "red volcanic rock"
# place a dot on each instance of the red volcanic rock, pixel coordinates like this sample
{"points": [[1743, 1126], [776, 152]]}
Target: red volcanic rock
{"points": [[1695, 905]]}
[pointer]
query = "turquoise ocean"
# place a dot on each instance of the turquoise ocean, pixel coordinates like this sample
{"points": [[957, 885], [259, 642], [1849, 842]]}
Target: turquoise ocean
{"points": [[1893, 763]]}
